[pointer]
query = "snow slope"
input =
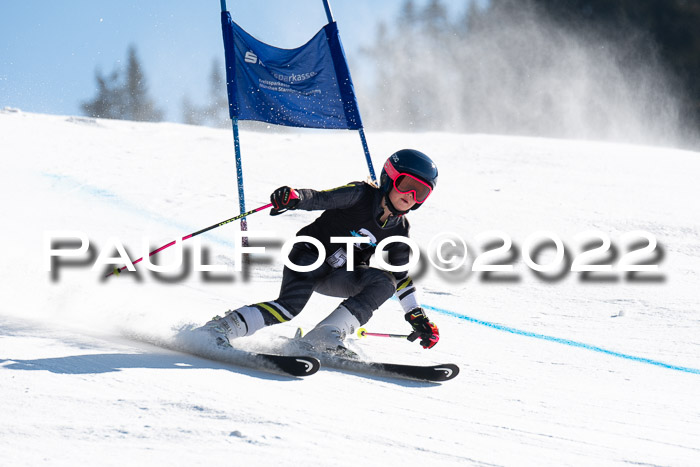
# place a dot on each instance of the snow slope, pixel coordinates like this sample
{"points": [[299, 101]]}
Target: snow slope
{"points": [[555, 370]]}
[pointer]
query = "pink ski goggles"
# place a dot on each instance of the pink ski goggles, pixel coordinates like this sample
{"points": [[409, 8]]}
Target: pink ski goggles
{"points": [[406, 183]]}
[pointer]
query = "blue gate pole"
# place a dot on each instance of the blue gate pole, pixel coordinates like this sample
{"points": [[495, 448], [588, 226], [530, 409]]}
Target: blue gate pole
{"points": [[239, 166], [239, 177], [367, 156], [365, 147], [327, 6]]}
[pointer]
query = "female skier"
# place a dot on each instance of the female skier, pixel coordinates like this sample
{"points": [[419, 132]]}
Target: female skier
{"points": [[357, 209]]}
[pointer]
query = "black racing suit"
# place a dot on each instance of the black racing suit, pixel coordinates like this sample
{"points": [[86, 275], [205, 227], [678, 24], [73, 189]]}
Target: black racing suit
{"points": [[350, 210]]}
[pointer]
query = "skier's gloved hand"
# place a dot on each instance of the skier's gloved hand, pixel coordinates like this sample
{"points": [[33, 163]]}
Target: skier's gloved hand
{"points": [[282, 199], [423, 328]]}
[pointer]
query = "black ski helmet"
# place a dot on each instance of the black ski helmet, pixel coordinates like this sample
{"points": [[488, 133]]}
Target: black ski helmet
{"points": [[411, 162]]}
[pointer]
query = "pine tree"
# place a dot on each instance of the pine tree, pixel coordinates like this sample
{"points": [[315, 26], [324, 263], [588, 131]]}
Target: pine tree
{"points": [[217, 112], [139, 106], [123, 94], [190, 113], [106, 103]]}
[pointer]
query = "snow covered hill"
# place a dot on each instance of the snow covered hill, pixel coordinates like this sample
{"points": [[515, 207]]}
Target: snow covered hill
{"points": [[558, 368]]}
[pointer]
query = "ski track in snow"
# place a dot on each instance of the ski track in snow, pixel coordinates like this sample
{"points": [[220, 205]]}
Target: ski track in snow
{"points": [[560, 372]]}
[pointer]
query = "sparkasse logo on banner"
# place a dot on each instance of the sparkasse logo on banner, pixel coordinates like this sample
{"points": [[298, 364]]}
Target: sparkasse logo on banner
{"points": [[250, 57]]}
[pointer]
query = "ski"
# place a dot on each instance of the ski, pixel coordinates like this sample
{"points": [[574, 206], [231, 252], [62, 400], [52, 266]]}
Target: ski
{"points": [[348, 360], [291, 365], [294, 365], [431, 373]]}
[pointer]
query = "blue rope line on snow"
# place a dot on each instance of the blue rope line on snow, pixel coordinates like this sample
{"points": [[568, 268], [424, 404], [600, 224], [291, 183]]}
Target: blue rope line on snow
{"points": [[560, 340]]}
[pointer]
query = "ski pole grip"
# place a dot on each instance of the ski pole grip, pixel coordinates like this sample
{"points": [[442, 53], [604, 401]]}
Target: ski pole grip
{"points": [[413, 336]]}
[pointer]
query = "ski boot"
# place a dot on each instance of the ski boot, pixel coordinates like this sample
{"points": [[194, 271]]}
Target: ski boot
{"points": [[328, 336], [222, 329]]}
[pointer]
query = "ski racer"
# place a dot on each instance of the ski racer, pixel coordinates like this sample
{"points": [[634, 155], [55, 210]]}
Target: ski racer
{"points": [[357, 209]]}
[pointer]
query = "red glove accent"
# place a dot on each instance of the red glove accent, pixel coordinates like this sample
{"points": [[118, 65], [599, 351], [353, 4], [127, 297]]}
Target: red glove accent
{"points": [[423, 328], [282, 199], [428, 340]]}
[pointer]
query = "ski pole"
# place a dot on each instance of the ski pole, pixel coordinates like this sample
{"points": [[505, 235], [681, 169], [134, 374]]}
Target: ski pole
{"points": [[362, 332], [207, 229]]}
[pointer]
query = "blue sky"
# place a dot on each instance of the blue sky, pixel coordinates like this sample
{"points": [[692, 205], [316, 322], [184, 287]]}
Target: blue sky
{"points": [[49, 50]]}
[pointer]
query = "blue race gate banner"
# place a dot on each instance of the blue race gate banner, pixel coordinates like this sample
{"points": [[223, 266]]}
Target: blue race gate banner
{"points": [[309, 86]]}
